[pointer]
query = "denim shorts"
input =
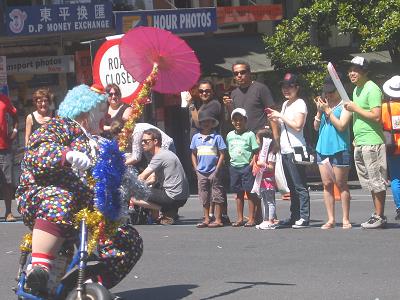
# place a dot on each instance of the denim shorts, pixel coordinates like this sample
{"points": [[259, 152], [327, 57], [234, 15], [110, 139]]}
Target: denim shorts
{"points": [[340, 159], [242, 179]]}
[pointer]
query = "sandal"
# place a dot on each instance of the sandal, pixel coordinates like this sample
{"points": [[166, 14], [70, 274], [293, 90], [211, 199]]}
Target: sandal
{"points": [[215, 225], [347, 226], [10, 218], [238, 224], [202, 225], [328, 226], [249, 224]]}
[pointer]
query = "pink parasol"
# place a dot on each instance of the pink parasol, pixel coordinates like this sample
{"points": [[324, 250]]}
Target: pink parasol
{"points": [[143, 47]]}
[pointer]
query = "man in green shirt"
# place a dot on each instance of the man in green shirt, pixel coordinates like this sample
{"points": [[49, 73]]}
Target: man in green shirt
{"points": [[369, 142]]}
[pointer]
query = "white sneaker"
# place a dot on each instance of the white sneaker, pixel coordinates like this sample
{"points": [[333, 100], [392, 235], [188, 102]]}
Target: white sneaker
{"points": [[261, 225], [301, 223], [266, 225], [374, 221]]}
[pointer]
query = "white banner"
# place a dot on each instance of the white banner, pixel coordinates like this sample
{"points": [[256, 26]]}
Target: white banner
{"points": [[41, 65]]}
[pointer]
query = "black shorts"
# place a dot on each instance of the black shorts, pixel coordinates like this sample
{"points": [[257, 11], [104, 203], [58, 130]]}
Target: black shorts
{"points": [[160, 197], [242, 179]]}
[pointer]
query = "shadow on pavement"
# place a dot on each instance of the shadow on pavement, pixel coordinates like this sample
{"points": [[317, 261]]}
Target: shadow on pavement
{"points": [[247, 285], [169, 292]]}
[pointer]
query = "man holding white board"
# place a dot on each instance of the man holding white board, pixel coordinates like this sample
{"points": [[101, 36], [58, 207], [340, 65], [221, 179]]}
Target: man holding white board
{"points": [[369, 141]]}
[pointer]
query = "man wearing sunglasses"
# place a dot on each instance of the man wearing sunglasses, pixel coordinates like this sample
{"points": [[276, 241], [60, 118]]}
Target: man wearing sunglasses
{"points": [[165, 174], [251, 95]]}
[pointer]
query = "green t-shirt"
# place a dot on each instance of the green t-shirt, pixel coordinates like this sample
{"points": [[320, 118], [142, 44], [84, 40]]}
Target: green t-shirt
{"points": [[241, 147], [367, 132]]}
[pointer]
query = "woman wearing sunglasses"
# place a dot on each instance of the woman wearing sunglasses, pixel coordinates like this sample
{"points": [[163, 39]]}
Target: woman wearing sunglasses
{"points": [[117, 110], [208, 106]]}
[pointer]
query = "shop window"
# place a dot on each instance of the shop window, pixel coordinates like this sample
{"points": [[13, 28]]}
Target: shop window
{"points": [[121, 5], [224, 2], [18, 2], [183, 3]]}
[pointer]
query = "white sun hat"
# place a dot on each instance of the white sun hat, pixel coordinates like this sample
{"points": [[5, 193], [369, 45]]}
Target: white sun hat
{"points": [[392, 87]]}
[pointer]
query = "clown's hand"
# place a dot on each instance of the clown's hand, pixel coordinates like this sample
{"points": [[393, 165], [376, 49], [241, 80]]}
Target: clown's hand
{"points": [[78, 160]]}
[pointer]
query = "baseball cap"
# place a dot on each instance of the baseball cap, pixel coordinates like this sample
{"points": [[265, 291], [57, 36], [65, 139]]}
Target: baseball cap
{"points": [[290, 79], [359, 61], [239, 111], [328, 86], [392, 87]]}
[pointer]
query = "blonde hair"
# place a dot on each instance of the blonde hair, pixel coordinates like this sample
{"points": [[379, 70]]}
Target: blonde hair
{"points": [[42, 93]]}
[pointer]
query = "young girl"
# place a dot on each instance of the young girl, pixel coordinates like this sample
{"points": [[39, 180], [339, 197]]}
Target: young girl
{"points": [[264, 170]]}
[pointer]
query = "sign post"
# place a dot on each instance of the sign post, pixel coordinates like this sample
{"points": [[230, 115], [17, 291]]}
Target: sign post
{"points": [[108, 68]]}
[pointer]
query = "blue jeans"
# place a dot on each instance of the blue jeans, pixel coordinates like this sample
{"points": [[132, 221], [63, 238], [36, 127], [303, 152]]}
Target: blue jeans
{"points": [[297, 183], [394, 170]]}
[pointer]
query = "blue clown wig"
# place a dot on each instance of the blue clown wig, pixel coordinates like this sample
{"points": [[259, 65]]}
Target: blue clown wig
{"points": [[79, 100]]}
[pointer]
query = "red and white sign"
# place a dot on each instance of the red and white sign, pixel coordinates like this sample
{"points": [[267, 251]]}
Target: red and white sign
{"points": [[107, 68], [249, 13]]}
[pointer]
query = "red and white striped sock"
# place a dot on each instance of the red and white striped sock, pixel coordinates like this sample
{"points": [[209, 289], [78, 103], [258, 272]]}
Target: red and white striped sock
{"points": [[42, 259]]}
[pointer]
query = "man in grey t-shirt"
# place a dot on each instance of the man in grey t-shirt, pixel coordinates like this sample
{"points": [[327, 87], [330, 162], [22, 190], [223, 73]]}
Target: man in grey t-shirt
{"points": [[170, 188], [253, 96]]}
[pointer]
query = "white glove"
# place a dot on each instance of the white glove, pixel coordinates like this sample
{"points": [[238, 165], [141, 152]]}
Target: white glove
{"points": [[78, 160]]}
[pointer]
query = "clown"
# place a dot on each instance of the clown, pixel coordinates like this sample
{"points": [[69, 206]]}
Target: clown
{"points": [[56, 184]]}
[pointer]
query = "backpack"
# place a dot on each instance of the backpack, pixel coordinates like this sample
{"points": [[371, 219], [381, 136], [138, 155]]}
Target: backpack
{"points": [[391, 126]]}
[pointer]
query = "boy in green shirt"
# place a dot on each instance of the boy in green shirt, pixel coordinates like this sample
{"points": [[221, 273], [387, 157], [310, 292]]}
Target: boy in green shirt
{"points": [[242, 144], [369, 150]]}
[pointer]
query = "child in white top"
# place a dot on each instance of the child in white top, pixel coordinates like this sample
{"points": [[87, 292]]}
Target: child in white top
{"points": [[264, 170]]}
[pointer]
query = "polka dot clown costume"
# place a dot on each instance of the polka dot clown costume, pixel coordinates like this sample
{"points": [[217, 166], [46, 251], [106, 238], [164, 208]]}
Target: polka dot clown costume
{"points": [[58, 183]]}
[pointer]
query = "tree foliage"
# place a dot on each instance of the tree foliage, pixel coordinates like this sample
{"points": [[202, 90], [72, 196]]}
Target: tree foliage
{"points": [[376, 24]]}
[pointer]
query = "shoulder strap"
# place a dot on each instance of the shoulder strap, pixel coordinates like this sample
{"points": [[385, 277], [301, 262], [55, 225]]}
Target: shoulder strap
{"points": [[284, 109]]}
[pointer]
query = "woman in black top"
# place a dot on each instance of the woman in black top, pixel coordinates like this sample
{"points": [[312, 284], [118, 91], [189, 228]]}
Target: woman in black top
{"points": [[209, 106], [117, 110], [42, 99]]}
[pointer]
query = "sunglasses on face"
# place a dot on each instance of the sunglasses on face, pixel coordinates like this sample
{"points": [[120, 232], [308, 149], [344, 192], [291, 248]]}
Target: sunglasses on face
{"points": [[146, 141], [113, 94], [208, 91], [243, 72]]}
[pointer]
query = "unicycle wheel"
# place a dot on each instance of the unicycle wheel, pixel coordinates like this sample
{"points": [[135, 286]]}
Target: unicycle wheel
{"points": [[94, 291]]}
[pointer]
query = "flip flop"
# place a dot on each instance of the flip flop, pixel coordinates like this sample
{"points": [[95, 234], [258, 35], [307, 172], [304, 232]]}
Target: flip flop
{"points": [[202, 225], [249, 224], [238, 224], [215, 225], [328, 226], [347, 226]]}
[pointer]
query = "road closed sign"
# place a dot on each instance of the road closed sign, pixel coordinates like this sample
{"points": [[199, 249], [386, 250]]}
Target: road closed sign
{"points": [[107, 69]]}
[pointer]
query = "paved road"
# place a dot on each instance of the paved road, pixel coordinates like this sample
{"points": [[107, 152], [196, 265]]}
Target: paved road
{"points": [[183, 262]]}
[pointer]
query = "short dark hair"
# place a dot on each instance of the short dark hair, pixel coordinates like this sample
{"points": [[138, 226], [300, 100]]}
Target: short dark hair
{"points": [[155, 135], [242, 62], [266, 133], [206, 81], [115, 87]]}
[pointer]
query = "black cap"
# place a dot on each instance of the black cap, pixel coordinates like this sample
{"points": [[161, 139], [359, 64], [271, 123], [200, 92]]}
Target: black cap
{"points": [[328, 86], [204, 117], [290, 79]]}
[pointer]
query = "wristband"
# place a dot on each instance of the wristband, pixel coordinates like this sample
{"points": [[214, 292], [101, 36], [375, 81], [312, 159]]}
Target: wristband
{"points": [[192, 107], [317, 119]]}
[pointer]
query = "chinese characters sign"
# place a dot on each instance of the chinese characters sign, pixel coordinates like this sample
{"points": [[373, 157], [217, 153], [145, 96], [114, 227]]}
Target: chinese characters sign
{"points": [[27, 20]]}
